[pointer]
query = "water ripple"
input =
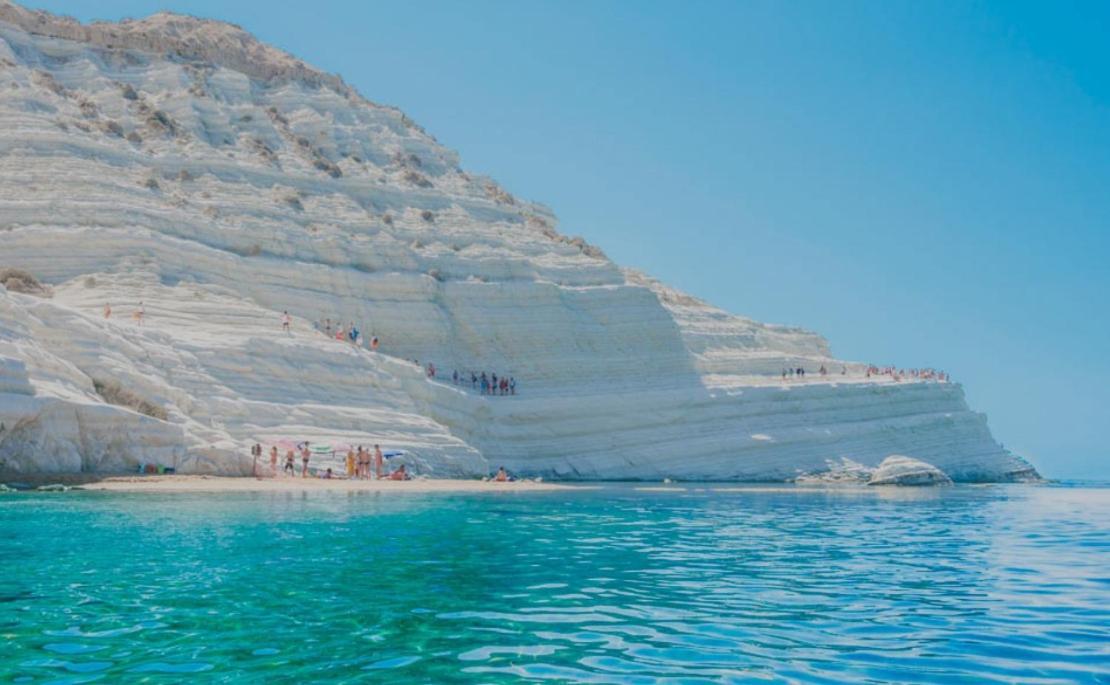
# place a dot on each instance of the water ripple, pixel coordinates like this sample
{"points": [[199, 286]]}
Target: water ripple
{"points": [[616, 585]]}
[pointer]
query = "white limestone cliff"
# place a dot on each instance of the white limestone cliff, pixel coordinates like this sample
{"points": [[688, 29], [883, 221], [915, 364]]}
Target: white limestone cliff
{"points": [[182, 164]]}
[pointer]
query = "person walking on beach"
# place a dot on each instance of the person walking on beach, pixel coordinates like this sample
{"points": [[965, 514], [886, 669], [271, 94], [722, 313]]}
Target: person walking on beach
{"points": [[378, 461], [273, 460], [286, 320], [305, 456], [289, 467]]}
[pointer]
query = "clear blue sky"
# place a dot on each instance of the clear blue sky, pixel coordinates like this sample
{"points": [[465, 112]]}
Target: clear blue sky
{"points": [[926, 183]]}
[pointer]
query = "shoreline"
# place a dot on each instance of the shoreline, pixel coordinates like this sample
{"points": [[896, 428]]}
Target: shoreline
{"points": [[196, 483], [199, 483]]}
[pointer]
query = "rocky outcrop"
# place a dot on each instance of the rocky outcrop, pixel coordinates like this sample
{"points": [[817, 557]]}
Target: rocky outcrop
{"points": [[898, 469], [182, 164]]}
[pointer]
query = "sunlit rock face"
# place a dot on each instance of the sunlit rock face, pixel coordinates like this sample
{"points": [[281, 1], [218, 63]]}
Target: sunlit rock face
{"points": [[181, 164], [898, 469]]}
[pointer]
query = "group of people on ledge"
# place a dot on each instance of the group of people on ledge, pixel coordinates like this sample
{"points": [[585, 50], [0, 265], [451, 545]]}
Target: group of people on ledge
{"points": [[488, 384], [872, 370], [361, 464], [900, 374], [348, 334], [800, 372]]}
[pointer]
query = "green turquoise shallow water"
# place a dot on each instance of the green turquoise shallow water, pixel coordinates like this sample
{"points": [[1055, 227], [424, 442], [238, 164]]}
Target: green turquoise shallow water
{"points": [[616, 585]]}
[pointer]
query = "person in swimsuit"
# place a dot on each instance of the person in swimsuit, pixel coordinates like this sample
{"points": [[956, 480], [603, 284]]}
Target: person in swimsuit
{"points": [[399, 474], [305, 456], [286, 320], [107, 310], [378, 461], [289, 463], [502, 476], [350, 462], [273, 459], [363, 463], [139, 314]]}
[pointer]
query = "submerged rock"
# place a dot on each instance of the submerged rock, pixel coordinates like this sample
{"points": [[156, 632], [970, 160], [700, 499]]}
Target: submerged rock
{"points": [[53, 487], [902, 470]]}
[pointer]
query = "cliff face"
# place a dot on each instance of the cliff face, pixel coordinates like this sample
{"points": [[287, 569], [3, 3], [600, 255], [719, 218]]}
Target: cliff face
{"points": [[182, 164]]}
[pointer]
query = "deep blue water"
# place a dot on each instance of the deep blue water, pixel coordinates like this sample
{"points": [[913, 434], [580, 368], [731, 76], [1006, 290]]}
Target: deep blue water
{"points": [[616, 585]]}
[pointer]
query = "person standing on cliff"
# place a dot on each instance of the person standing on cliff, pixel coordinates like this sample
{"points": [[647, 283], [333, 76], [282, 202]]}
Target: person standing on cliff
{"points": [[107, 310], [286, 320], [139, 314]]}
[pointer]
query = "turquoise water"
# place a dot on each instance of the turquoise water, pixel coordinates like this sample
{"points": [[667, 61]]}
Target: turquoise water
{"points": [[617, 585]]}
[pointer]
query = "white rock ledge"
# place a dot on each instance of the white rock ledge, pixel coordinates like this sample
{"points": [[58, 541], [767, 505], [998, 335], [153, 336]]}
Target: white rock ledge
{"points": [[183, 164]]}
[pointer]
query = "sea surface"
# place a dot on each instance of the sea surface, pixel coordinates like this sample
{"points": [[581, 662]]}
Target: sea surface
{"points": [[613, 585]]}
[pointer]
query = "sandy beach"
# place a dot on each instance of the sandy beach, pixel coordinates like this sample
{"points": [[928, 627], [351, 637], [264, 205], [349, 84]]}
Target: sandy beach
{"points": [[190, 483]]}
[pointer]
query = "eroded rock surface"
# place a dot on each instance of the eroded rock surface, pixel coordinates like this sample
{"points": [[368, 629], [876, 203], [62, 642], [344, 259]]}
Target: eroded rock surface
{"points": [[181, 164]]}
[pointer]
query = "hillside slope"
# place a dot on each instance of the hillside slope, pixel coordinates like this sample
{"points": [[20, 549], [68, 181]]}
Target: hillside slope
{"points": [[181, 164]]}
